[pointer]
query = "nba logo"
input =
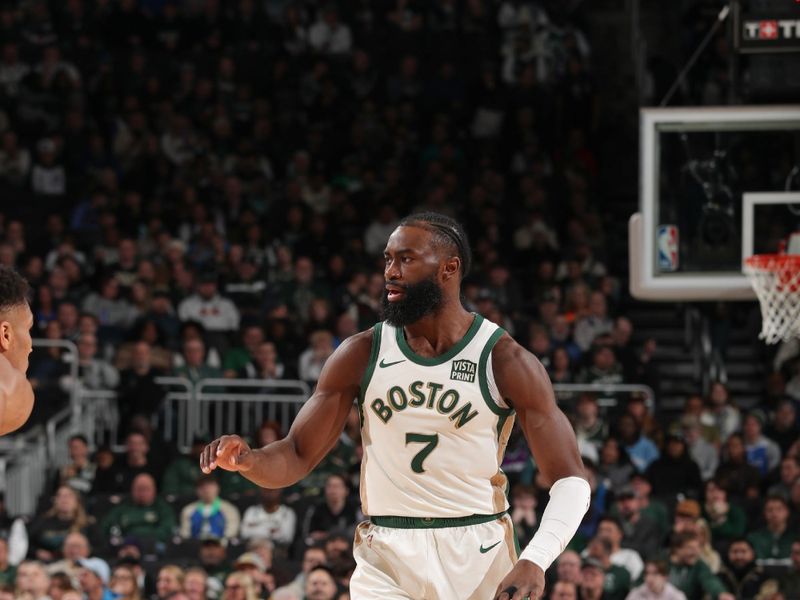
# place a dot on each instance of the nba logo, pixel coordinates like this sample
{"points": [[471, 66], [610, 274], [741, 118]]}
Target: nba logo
{"points": [[668, 248]]}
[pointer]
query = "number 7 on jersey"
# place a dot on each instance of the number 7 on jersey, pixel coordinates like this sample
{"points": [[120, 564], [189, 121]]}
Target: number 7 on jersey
{"points": [[430, 442]]}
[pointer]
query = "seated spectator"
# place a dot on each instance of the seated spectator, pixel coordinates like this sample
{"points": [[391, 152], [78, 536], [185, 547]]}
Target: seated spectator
{"points": [[568, 567], [702, 452], [94, 577], [194, 366], [251, 565], [727, 521], [707, 553], [321, 584], [640, 449], [641, 531], [181, 475], [335, 511], [523, 513], [79, 472], [239, 586], [614, 465], [313, 556], [76, 547], [33, 582], [725, 417], [237, 358], [328, 35], [169, 581], [789, 582], [589, 427], [265, 363], [656, 586], [264, 549], [210, 516], [773, 543], [213, 557], [675, 472], [271, 519], [114, 313], [561, 369], [134, 462], [94, 373], [564, 590], [60, 584], [687, 514], [123, 584], [144, 515], [314, 357], [741, 479], [690, 574], [610, 529], [592, 580], [596, 323], [604, 368], [218, 315], [48, 531], [617, 579], [138, 392], [784, 429], [195, 583], [762, 452], [8, 572], [740, 574]]}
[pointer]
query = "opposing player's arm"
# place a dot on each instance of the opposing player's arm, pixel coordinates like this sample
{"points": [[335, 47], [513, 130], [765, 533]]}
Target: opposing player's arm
{"points": [[314, 432], [524, 384], [16, 397]]}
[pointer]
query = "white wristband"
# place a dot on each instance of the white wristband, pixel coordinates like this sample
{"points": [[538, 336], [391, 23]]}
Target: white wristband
{"points": [[569, 501]]}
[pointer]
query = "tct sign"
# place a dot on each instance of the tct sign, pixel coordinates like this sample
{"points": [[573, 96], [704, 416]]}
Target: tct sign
{"points": [[769, 34]]}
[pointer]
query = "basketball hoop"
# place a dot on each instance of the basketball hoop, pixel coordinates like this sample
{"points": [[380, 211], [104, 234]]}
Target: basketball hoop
{"points": [[776, 281]]}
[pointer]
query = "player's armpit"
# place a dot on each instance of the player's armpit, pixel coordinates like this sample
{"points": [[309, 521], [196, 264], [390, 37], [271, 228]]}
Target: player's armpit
{"points": [[525, 385], [319, 423], [16, 397]]}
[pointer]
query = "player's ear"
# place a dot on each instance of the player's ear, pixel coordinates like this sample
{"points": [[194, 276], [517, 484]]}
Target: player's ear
{"points": [[452, 267], [6, 333]]}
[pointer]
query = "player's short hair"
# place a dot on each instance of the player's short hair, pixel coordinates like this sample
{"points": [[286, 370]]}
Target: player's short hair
{"points": [[447, 232], [14, 289]]}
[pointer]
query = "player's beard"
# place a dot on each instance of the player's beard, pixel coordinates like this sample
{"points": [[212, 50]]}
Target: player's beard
{"points": [[419, 299]]}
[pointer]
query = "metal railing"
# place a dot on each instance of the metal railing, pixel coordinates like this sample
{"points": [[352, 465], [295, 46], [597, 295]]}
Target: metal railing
{"points": [[608, 394]]}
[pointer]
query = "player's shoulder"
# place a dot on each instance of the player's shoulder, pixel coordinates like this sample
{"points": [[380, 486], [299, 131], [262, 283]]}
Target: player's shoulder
{"points": [[508, 355], [358, 345]]}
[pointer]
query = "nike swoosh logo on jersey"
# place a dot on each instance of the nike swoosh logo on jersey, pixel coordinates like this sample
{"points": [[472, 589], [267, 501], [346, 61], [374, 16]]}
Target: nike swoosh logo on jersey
{"points": [[485, 550], [383, 364]]}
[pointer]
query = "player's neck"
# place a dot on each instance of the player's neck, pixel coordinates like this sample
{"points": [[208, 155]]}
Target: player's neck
{"points": [[442, 329]]}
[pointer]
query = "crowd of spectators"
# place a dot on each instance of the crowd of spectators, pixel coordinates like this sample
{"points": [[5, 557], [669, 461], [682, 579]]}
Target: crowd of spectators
{"points": [[204, 188]]}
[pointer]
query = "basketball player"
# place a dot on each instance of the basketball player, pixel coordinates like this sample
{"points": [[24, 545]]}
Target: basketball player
{"points": [[16, 320], [438, 388]]}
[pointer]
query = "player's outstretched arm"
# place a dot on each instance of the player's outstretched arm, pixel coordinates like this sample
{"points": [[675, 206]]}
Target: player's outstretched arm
{"points": [[314, 432], [524, 383], [16, 397]]}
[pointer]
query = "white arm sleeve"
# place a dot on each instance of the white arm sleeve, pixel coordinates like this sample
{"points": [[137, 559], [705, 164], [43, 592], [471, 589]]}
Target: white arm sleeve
{"points": [[569, 501]]}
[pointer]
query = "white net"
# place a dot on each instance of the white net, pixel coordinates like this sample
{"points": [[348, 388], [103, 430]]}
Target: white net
{"points": [[776, 280]]}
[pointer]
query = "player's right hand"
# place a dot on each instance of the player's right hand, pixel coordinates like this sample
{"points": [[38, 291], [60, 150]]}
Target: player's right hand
{"points": [[230, 452]]}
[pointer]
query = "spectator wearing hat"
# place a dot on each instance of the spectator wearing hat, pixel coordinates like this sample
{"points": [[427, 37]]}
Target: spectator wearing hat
{"points": [[687, 512], [254, 567], [144, 515], [727, 521], [690, 574], [774, 541], [210, 515], [675, 472], [656, 586], [762, 452], [740, 574], [271, 519], [610, 529], [94, 578], [592, 586], [641, 531], [617, 579]]}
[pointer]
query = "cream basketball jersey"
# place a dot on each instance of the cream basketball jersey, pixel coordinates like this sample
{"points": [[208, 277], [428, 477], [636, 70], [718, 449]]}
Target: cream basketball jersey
{"points": [[434, 429]]}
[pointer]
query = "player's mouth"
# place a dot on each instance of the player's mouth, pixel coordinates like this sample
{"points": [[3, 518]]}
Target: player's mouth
{"points": [[394, 293]]}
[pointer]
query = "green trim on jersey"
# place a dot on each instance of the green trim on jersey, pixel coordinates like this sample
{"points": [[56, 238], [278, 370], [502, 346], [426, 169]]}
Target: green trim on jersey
{"points": [[434, 523], [373, 360], [504, 413], [432, 361]]}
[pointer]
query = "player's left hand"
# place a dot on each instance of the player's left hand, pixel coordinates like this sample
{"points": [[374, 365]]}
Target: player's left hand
{"points": [[526, 580]]}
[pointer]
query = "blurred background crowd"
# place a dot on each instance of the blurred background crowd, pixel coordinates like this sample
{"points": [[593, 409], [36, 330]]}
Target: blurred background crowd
{"points": [[204, 188]]}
